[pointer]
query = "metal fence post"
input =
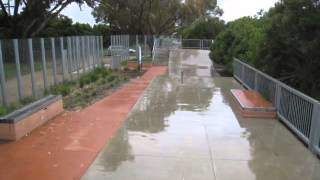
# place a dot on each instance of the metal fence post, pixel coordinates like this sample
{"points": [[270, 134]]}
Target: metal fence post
{"points": [[83, 54], [62, 59], [98, 48], [91, 51], [278, 96], [44, 65], [31, 61], [101, 45], [88, 53], [96, 51], [255, 86], [54, 61], [314, 142], [18, 70], [145, 46], [69, 57], [242, 72], [3, 80], [76, 55]]}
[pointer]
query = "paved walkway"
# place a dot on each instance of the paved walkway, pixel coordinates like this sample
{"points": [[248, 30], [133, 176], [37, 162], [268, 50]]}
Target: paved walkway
{"points": [[65, 147], [190, 129]]}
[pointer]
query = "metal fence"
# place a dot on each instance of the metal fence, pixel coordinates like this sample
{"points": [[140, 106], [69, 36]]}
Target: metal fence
{"points": [[124, 47], [28, 67], [196, 43], [298, 111], [161, 49]]}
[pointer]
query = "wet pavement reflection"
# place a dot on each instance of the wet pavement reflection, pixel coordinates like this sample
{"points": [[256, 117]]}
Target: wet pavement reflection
{"points": [[192, 130]]}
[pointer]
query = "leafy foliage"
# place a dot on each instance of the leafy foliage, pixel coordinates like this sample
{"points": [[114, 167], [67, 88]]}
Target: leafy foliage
{"points": [[241, 39], [30, 17], [207, 28], [151, 16], [291, 47]]}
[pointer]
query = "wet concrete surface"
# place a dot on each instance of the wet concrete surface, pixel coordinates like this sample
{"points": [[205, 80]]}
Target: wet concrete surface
{"points": [[192, 130]]}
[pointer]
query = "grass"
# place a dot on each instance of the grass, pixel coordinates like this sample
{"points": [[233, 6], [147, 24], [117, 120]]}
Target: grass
{"points": [[10, 69]]}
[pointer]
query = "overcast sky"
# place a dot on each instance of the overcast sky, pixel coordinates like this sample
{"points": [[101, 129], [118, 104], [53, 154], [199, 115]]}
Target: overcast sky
{"points": [[233, 9]]}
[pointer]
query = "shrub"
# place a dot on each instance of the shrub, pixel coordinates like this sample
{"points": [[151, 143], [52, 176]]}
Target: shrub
{"points": [[124, 64], [64, 89], [111, 78], [241, 39], [3, 110]]}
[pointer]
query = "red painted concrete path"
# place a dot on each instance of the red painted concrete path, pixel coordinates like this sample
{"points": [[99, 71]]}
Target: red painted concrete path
{"points": [[65, 147]]}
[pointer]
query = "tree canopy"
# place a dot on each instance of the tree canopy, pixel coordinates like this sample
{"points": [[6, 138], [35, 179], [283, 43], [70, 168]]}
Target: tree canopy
{"points": [[27, 18], [204, 28], [152, 16]]}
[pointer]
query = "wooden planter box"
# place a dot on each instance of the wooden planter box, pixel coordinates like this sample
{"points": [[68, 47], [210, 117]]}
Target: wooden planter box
{"points": [[22, 121]]}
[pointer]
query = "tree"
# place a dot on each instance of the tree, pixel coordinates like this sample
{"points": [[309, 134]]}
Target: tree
{"points": [[29, 18], [241, 38], [291, 48], [150, 16], [205, 28]]}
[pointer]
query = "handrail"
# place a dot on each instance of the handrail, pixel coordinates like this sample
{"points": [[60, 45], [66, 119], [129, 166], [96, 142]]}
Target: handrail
{"points": [[297, 92], [298, 111]]}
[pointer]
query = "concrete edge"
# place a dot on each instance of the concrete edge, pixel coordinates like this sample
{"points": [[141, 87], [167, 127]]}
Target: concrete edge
{"points": [[29, 109]]}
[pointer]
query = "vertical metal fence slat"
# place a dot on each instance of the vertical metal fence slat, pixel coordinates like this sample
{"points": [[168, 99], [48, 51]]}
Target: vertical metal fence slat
{"points": [[76, 55], [54, 61], [145, 46], [69, 59], [315, 129], [83, 53], [88, 52], [31, 61], [62, 59], [18, 69], [99, 50], [3, 80], [44, 64], [102, 50]]}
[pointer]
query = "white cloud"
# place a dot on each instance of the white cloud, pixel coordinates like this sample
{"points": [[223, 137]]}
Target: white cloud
{"points": [[234, 9], [82, 15]]}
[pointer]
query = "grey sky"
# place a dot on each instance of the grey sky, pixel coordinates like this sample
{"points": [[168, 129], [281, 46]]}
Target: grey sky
{"points": [[233, 9]]}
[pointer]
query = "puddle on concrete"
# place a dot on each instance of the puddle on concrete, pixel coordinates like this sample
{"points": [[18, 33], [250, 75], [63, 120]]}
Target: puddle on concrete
{"points": [[191, 130]]}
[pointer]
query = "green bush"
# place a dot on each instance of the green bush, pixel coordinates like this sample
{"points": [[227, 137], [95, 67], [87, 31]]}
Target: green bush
{"points": [[124, 64], [242, 39], [207, 28], [3, 110], [84, 80], [111, 78], [63, 89]]}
